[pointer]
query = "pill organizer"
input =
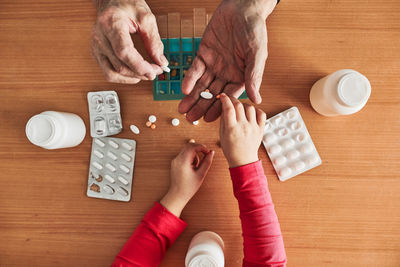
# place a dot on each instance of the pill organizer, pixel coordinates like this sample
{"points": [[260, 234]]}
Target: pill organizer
{"points": [[111, 168], [289, 145], [104, 111]]}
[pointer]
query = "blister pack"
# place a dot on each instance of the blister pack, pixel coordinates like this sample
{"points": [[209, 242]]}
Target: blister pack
{"points": [[104, 111], [289, 145], [111, 168]]}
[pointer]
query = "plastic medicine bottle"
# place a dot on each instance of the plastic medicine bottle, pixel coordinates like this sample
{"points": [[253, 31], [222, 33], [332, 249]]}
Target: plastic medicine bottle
{"points": [[52, 130], [205, 249], [340, 93]]}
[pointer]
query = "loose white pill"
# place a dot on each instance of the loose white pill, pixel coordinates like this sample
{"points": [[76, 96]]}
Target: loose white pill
{"points": [[124, 168], [285, 172], [112, 155], [113, 144], [111, 167], [123, 180], [97, 165], [134, 129], [274, 149], [298, 166], [109, 178], [293, 154], [126, 157], [206, 95], [152, 118], [98, 153], [195, 122], [165, 69], [122, 191], [279, 160], [108, 189], [127, 146], [175, 122], [99, 142]]}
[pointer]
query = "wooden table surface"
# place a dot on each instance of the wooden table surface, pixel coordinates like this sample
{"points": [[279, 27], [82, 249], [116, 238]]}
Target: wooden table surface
{"points": [[344, 213]]}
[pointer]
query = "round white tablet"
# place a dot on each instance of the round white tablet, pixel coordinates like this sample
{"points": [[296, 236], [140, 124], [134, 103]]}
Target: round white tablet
{"points": [[175, 122], [134, 129], [152, 118]]}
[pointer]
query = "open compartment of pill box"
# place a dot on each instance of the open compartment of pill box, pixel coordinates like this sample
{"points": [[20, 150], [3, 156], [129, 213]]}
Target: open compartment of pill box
{"points": [[111, 168], [104, 111]]}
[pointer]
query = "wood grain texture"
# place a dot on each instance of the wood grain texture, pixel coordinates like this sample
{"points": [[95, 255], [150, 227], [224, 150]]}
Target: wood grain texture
{"points": [[344, 213]]}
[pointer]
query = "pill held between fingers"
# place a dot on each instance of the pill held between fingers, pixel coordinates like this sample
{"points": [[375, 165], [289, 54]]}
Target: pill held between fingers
{"points": [[218, 96], [108, 189], [152, 118], [109, 178], [126, 157], [175, 122], [98, 153], [148, 124], [112, 155], [122, 191], [113, 144], [124, 168], [97, 165], [206, 95], [99, 142], [127, 146], [165, 69], [110, 167], [134, 129], [123, 180], [195, 122]]}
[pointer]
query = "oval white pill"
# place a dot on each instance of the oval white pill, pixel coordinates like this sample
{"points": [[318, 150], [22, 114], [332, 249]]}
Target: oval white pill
{"points": [[123, 180], [306, 148], [112, 155], [98, 154], [99, 142], [279, 160], [298, 166], [108, 189], [113, 144], [109, 178], [285, 172], [122, 191], [195, 122], [134, 129], [175, 122], [110, 167], [293, 154], [126, 157], [97, 165], [274, 149], [124, 168], [152, 118], [127, 146], [165, 69], [206, 95]]}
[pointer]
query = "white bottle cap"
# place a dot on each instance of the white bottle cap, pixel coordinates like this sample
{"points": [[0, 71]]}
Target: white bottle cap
{"points": [[354, 90], [40, 130]]}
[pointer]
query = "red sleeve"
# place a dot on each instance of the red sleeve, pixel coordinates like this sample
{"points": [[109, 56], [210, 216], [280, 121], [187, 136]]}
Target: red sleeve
{"points": [[155, 234], [262, 238]]}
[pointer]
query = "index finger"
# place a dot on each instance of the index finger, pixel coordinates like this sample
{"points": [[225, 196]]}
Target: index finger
{"points": [[228, 111]]}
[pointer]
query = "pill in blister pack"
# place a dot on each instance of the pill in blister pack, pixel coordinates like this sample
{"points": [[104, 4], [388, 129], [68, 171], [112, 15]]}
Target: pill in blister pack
{"points": [[289, 145], [104, 111], [111, 168]]}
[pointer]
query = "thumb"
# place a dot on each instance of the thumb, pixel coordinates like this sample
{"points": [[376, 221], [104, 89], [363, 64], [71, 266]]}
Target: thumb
{"points": [[205, 164], [148, 31], [253, 74]]}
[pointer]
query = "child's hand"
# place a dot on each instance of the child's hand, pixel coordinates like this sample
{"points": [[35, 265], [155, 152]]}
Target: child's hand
{"points": [[241, 131], [187, 175]]}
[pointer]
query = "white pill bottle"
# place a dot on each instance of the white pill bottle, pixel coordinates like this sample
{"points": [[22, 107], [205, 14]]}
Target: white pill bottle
{"points": [[205, 249], [340, 93], [52, 130]]}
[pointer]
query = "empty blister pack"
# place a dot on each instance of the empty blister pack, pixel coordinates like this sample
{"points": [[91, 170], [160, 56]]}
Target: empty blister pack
{"points": [[104, 111], [289, 145], [111, 168]]}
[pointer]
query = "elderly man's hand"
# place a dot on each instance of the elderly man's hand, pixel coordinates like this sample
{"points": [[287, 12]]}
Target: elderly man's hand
{"points": [[230, 59], [112, 44]]}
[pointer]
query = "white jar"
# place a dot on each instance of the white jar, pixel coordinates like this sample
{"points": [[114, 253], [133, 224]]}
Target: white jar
{"points": [[340, 93], [205, 249], [52, 129]]}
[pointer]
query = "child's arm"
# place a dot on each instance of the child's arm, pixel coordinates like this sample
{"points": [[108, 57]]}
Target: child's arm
{"points": [[241, 132], [161, 226]]}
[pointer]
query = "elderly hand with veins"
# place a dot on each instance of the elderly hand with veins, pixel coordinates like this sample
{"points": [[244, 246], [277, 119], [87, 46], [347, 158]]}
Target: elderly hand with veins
{"points": [[112, 44], [230, 59]]}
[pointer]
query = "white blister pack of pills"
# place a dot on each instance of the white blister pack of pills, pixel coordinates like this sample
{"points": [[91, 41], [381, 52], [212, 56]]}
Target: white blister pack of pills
{"points": [[111, 168], [104, 111], [289, 145]]}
